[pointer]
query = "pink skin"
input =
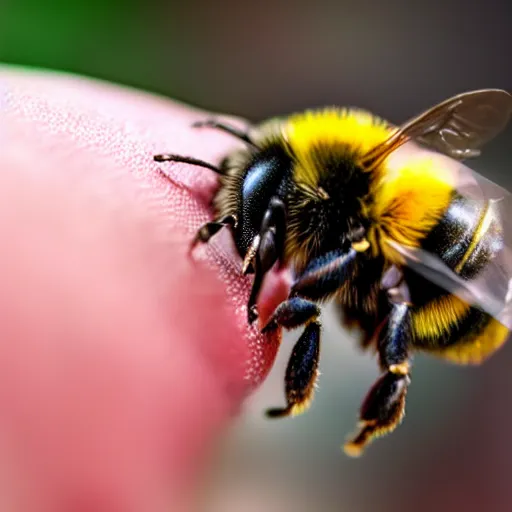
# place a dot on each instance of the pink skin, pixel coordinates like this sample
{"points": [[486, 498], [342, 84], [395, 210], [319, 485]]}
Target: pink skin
{"points": [[121, 360]]}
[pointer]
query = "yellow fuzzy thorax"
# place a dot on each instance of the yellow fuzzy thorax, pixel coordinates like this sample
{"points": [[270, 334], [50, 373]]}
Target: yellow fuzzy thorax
{"points": [[408, 195], [409, 199], [357, 130]]}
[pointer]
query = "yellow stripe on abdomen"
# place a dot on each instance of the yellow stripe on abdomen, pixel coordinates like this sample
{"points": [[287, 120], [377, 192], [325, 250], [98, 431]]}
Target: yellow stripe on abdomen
{"points": [[476, 350], [437, 317], [479, 232]]}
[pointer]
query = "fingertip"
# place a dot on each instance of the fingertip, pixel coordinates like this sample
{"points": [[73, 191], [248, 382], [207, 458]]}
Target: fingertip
{"points": [[104, 240]]}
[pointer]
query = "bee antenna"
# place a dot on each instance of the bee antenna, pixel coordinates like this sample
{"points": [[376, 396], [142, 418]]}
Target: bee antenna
{"points": [[168, 157]]}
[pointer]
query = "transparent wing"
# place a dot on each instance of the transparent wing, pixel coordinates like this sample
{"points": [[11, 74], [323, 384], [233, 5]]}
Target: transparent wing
{"points": [[457, 127], [491, 289], [461, 125]]}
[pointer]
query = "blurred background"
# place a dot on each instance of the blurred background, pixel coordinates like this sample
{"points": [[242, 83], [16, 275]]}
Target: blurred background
{"points": [[257, 59]]}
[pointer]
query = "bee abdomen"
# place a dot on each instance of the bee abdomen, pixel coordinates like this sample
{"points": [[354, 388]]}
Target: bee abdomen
{"points": [[461, 335], [466, 238], [486, 242]]}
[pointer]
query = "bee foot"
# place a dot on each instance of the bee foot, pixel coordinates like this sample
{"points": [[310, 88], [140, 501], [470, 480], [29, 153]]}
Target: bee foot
{"points": [[301, 374], [278, 412], [382, 411]]}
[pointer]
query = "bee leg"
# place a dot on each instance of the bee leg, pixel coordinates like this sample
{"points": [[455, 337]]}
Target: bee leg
{"points": [[212, 123], [324, 275], [292, 313], [302, 369], [263, 261], [206, 231], [301, 373], [384, 405], [321, 278], [270, 249]]}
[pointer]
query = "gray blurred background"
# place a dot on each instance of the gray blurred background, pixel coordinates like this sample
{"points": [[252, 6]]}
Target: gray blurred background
{"points": [[257, 59]]}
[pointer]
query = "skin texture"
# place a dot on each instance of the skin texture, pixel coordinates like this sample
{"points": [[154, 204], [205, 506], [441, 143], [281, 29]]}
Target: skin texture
{"points": [[121, 359]]}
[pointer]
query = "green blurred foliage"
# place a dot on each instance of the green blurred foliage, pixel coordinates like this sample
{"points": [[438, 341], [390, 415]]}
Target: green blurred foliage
{"points": [[103, 39]]}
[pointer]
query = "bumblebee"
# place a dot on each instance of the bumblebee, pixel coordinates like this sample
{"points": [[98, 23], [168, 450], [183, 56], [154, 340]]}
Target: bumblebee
{"points": [[320, 192]]}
